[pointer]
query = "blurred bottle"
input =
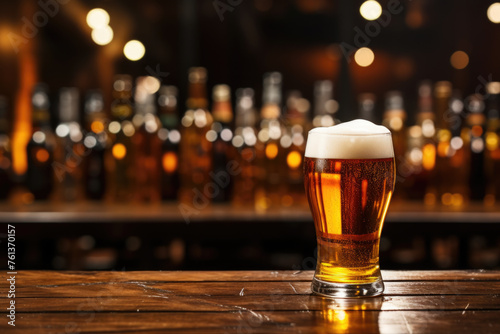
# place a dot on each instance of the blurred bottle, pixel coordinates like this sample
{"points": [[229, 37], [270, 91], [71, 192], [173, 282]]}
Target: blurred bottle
{"points": [[147, 145], [366, 104], [474, 138], [170, 137], [5, 150], [442, 94], [325, 106], [40, 149], [492, 138], [96, 142], [121, 156], [413, 164], [69, 151], [424, 187], [196, 150], [451, 161], [297, 113], [221, 135], [394, 119], [271, 155], [244, 140]]}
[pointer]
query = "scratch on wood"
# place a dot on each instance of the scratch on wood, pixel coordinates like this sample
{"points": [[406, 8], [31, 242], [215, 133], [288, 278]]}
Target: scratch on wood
{"points": [[242, 293], [255, 314], [147, 287], [156, 296], [465, 309], [407, 324], [293, 288]]}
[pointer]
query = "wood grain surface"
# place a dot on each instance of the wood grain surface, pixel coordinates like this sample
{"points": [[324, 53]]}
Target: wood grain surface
{"points": [[248, 302]]}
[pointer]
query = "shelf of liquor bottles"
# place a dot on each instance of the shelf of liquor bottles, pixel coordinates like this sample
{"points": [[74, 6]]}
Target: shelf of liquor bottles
{"points": [[141, 148]]}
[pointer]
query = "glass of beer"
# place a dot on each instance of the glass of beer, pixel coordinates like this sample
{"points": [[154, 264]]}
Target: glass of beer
{"points": [[349, 173]]}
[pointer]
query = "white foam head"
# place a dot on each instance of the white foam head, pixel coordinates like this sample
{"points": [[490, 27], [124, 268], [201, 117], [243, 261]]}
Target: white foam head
{"points": [[358, 139]]}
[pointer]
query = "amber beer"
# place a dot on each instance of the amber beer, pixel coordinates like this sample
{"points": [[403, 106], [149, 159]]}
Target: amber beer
{"points": [[349, 173]]}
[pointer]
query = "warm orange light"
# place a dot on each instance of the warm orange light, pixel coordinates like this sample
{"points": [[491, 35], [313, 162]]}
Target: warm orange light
{"points": [[294, 159], [495, 155], [22, 114], [42, 155], [477, 131], [287, 201], [169, 162], [119, 151], [97, 126], [446, 199], [271, 151], [457, 200], [248, 154], [459, 60], [364, 187], [443, 149], [79, 149], [414, 18], [428, 156], [339, 319], [430, 199], [27, 198], [491, 141]]}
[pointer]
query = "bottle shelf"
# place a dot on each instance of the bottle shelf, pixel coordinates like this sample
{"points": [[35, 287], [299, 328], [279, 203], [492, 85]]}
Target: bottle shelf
{"points": [[88, 212]]}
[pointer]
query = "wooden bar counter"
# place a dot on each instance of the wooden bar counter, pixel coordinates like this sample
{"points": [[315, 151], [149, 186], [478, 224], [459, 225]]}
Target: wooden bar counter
{"points": [[248, 302]]}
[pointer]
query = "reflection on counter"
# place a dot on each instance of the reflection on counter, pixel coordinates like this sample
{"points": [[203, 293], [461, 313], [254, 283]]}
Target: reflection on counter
{"points": [[349, 315]]}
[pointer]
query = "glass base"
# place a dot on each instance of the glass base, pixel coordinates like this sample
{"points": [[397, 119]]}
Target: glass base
{"points": [[340, 290]]}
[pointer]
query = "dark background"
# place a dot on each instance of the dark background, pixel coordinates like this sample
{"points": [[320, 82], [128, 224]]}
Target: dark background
{"points": [[299, 38]]}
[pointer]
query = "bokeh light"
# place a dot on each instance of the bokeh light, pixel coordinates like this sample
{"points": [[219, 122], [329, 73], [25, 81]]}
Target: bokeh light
{"points": [[493, 12], [119, 151], [97, 18], [151, 84], [102, 36], [134, 50], [370, 10], [459, 60], [364, 57]]}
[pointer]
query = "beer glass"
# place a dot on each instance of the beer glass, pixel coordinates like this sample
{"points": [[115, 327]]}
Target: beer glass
{"points": [[349, 173]]}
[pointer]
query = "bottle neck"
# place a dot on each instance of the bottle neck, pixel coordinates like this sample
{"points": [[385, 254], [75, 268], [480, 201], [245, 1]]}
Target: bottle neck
{"points": [[246, 117], [197, 96], [493, 107], [222, 111], [168, 117], [270, 111], [121, 109], [367, 110], [320, 103], [40, 118]]}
